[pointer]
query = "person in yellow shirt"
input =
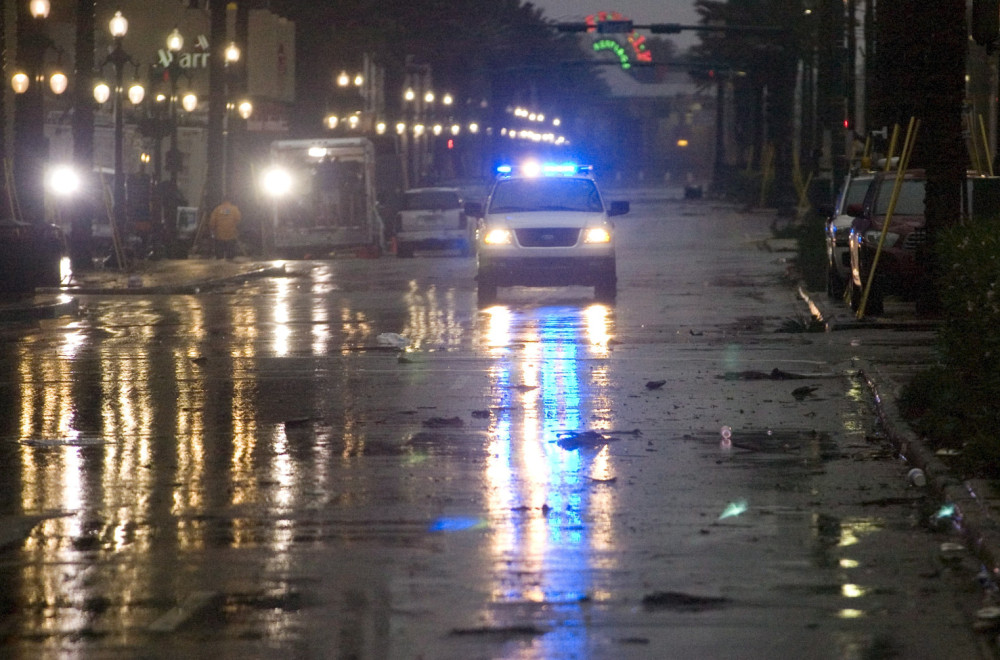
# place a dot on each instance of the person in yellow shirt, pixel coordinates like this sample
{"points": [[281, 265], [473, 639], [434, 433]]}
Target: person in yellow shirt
{"points": [[222, 223]]}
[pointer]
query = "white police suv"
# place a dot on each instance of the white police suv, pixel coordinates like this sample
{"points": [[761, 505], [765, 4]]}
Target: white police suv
{"points": [[546, 225]]}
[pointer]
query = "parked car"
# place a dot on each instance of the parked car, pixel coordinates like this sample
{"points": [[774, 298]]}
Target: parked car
{"points": [[899, 269], [547, 226], [838, 229], [433, 218]]}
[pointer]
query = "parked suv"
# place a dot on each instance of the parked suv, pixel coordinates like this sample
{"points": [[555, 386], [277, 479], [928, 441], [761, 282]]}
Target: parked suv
{"points": [[899, 269], [433, 218], [547, 226]]}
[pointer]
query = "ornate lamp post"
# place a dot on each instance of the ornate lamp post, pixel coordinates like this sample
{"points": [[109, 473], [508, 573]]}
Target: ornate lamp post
{"points": [[118, 58], [232, 55], [30, 148], [175, 42]]}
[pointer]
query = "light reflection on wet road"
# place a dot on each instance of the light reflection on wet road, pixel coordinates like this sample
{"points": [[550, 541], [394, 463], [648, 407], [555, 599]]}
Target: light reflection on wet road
{"points": [[251, 472]]}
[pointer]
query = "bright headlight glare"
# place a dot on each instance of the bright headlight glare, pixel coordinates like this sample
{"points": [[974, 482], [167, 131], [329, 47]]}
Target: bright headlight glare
{"points": [[497, 237], [277, 182], [63, 180], [597, 235]]}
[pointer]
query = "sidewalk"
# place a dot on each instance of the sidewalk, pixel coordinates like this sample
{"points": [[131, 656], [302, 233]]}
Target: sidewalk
{"points": [[976, 503], [164, 276]]}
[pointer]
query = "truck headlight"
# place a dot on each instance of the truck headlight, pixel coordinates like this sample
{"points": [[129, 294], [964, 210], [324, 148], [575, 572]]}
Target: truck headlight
{"points": [[596, 235], [63, 180], [498, 237], [277, 182]]}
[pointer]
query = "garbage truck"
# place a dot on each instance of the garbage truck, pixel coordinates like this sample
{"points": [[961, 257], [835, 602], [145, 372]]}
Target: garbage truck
{"points": [[323, 197]]}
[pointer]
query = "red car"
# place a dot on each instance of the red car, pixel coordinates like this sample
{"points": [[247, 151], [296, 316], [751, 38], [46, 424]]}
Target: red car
{"points": [[899, 270]]}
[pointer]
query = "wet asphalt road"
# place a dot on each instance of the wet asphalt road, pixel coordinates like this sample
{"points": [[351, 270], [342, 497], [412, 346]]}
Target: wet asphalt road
{"points": [[260, 470]]}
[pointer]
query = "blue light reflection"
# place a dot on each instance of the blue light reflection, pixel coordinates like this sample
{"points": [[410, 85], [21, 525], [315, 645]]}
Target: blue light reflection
{"points": [[550, 525]]}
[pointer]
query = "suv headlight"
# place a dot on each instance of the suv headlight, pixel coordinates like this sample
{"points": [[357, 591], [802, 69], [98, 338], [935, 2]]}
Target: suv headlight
{"points": [[498, 237], [596, 235], [873, 236]]}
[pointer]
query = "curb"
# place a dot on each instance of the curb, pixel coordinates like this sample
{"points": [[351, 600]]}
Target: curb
{"points": [[835, 322], [973, 519]]}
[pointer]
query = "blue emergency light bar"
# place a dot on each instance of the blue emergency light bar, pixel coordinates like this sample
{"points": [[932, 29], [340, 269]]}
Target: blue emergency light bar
{"points": [[533, 168]]}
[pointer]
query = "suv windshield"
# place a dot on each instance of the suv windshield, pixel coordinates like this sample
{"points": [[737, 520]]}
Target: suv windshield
{"points": [[911, 197], [856, 191], [545, 194], [431, 200]]}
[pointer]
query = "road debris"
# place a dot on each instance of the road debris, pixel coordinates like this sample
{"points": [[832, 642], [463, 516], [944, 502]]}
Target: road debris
{"points": [[801, 393], [574, 440], [392, 339], [444, 423], [734, 509], [655, 384], [916, 477], [681, 602]]}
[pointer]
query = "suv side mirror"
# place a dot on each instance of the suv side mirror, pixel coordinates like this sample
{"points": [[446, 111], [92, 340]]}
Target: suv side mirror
{"points": [[618, 208]]}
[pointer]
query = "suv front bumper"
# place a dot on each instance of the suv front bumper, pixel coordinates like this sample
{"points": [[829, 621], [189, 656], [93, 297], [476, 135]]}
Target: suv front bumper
{"points": [[552, 271]]}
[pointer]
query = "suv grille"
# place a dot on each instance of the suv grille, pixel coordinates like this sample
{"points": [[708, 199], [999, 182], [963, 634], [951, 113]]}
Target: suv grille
{"points": [[916, 238], [556, 237]]}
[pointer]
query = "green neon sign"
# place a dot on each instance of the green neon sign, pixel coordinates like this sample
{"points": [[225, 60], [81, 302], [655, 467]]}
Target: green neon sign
{"points": [[614, 47]]}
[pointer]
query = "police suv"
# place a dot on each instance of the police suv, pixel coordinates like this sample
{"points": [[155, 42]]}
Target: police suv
{"points": [[546, 225]]}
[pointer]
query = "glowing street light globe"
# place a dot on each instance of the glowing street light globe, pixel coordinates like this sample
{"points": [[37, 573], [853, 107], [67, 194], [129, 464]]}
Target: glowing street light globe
{"points": [[118, 25], [58, 82], [175, 41], [20, 81], [102, 92], [244, 109], [39, 8], [136, 93]]}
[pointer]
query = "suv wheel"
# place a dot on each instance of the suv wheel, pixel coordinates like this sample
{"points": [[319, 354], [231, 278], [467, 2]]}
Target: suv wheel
{"points": [[606, 290], [855, 297], [486, 290], [404, 250], [876, 296]]}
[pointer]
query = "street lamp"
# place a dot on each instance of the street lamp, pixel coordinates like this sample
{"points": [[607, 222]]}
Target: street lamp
{"points": [[118, 58], [29, 113], [243, 108], [175, 42]]}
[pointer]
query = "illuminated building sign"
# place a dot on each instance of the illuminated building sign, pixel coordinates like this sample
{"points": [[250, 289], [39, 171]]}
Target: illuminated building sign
{"points": [[636, 40], [616, 48]]}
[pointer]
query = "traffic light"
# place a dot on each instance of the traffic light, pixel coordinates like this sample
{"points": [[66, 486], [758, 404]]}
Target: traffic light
{"points": [[614, 27], [985, 22]]}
